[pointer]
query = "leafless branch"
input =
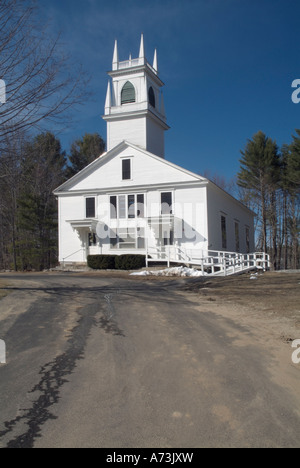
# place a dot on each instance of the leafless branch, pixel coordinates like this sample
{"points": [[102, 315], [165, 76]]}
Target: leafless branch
{"points": [[39, 84]]}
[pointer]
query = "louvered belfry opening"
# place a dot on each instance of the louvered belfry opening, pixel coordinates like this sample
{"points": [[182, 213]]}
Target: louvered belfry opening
{"points": [[151, 97], [128, 93]]}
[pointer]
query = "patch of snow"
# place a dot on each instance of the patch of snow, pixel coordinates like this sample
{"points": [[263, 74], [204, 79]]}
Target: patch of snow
{"points": [[176, 271], [140, 273]]}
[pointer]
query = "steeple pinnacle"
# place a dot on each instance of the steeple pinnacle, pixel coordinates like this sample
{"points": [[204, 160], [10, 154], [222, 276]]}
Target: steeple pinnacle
{"points": [[142, 48], [108, 98], [115, 57], [155, 64]]}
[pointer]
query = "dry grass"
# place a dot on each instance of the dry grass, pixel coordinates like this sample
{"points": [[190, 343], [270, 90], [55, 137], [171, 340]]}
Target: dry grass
{"points": [[275, 293]]}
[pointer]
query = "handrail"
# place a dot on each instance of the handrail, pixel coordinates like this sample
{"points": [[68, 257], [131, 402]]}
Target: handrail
{"points": [[216, 260], [71, 255]]}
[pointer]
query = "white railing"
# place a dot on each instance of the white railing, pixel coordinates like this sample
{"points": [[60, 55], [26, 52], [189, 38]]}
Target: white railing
{"points": [[211, 262], [136, 62]]}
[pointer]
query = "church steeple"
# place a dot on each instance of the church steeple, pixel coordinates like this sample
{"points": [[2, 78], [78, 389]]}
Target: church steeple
{"points": [[134, 106]]}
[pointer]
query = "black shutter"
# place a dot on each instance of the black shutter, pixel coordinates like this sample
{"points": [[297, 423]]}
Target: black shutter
{"points": [[90, 207], [140, 206], [131, 206], [151, 97], [166, 203], [126, 169], [113, 208]]}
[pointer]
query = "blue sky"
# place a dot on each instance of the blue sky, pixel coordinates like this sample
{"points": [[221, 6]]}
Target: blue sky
{"points": [[227, 65]]}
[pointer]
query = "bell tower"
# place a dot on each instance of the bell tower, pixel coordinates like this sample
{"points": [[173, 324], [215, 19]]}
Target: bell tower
{"points": [[134, 106]]}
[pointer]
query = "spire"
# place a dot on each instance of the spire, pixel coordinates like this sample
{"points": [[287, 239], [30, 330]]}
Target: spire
{"points": [[116, 56], [108, 99], [155, 64], [142, 48]]}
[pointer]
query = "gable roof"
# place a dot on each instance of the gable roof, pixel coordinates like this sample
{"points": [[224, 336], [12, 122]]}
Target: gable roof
{"points": [[106, 157]]}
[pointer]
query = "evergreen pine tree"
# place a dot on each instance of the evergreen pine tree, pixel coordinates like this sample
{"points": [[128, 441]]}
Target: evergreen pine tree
{"points": [[42, 171], [259, 174], [84, 152]]}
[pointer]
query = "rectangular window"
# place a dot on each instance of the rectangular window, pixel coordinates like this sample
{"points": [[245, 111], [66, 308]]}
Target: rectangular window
{"points": [[237, 236], [247, 239], [113, 208], [127, 206], [126, 169], [140, 206], [122, 207], [224, 232], [90, 207], [128, 238], [131, 206], [166, 203]]}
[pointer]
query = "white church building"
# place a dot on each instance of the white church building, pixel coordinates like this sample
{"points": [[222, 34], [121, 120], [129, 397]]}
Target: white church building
{"points": [[133, 200]]}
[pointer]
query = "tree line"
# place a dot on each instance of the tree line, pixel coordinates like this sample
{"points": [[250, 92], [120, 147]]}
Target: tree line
{"points": [[33, 168], [269, 183], [42, 85]]}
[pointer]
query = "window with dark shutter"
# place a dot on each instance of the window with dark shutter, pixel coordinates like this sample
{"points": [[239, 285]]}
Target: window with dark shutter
{"points": [[151, 97], [113, 208], [140, 206], [128, 93], [166, 203], [126, 169], [90, 206], [131, 206]]}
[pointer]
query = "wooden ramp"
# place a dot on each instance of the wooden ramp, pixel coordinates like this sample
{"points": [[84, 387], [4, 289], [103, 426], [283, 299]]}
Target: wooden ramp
{"points": [[211, 263]]}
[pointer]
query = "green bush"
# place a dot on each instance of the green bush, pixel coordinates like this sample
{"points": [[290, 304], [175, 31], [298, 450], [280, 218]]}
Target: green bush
{"points": [[101, 262], [130, 262], [119, 262]]}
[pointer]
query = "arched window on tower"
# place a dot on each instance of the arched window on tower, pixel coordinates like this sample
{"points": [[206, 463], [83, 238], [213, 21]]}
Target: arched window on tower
{"points": [[128, 93], [151, 97]]}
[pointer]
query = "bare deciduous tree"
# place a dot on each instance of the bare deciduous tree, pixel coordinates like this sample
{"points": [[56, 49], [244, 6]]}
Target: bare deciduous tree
{"points": [[40, 83]]}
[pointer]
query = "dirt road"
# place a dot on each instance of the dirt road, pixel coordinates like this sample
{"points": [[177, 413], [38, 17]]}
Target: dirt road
{"points": [[103, 360]]}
